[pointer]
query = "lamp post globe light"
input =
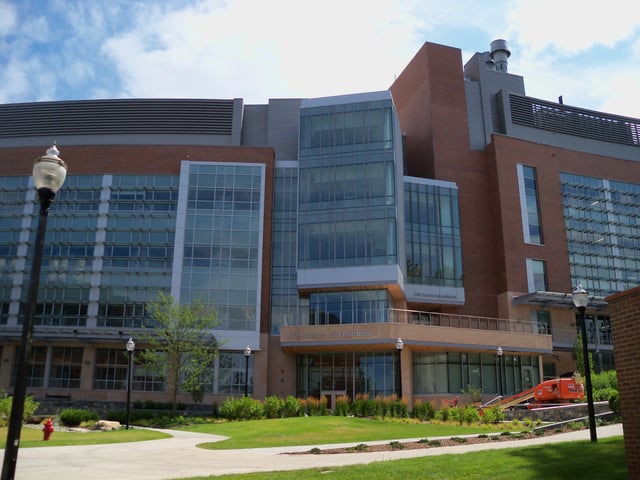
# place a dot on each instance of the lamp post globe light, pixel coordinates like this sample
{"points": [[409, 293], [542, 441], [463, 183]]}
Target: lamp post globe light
{"points": [[247, 354], [499, 353], [580, 301], [399, 347], [49, 173], [131, 346]]}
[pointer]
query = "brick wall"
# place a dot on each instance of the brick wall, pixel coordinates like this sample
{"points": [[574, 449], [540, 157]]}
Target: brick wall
{"points": [[624, 309]]}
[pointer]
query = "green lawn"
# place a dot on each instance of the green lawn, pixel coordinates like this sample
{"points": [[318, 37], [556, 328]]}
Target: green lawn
{"points": [[330, 429], [604, 460], [32, 437]]}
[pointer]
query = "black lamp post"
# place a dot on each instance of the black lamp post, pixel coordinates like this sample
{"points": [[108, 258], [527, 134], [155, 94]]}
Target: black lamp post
{"points": [[247, 354], [131, 346], [399, 347], [581, 300], [499, 356], [49, 173]]}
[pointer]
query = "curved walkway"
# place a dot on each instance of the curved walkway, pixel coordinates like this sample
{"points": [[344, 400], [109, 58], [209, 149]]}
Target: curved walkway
{"points": [[178, 457]]}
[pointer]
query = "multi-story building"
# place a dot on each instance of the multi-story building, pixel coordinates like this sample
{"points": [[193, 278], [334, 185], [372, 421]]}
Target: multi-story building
{"points": [[375, 243]]}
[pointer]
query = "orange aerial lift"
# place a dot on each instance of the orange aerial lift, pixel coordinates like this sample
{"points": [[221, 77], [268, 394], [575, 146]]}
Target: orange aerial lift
{"points": [[550, 392]]}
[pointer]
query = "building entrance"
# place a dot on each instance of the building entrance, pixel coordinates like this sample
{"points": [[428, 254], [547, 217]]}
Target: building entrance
{"points": [[332, 396]]}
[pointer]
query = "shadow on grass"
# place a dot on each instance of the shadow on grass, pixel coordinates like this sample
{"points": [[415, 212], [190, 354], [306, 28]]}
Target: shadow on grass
{"points": [[602, 460]]}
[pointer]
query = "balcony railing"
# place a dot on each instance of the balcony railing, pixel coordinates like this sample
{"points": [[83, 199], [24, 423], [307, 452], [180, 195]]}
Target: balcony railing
{"points": [[568, 336], [464, 321]]}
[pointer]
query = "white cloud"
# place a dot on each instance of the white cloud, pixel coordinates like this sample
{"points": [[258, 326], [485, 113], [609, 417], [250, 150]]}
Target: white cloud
{"points": [[8, 18], [266, 49], [295, 48], [571, 26], [578, 50]]}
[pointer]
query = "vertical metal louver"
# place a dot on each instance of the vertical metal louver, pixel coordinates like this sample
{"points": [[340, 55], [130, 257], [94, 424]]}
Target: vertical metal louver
{"points": [[531, 112]]}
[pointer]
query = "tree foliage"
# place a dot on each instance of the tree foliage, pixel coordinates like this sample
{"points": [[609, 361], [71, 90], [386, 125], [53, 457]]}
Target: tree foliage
{"points": [[180, 343], [579, 354]]}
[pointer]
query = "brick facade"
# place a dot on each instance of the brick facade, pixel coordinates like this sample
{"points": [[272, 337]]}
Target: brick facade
{"points": [[624, 309]]}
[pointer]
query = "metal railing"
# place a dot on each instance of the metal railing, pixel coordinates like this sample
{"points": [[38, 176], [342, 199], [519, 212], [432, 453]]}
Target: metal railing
{"points": [[417, 317], [568, 336]]}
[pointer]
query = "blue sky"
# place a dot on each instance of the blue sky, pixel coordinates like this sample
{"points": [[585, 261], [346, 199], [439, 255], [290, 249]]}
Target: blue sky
{"points": [[588, 52]]}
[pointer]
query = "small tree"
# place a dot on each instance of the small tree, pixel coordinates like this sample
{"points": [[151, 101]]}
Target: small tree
{"points": [[577, 350], [181, 344]]}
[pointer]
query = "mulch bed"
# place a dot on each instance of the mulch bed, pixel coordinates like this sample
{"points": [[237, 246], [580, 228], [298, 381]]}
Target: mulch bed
{"points": [[425, 443]]}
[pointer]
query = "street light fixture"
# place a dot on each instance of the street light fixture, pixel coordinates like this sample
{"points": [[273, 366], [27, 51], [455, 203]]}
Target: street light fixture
{"points": [[399, 347], [49, 173], [581, 300], [499, 355], [247, 354], [131, 346]]}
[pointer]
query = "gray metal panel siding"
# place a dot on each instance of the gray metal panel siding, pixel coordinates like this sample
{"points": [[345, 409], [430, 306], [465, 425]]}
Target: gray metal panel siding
{"points": [[116, 117], [475, 119], [238, 121], [254, 126], [283, 125]]}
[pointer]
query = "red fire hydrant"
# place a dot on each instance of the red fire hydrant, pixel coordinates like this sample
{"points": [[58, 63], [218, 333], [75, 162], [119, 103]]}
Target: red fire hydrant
{"points": [[47, 429]]}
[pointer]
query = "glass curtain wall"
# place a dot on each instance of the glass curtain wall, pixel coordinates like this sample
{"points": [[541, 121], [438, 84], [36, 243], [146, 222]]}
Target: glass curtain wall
{"points": [[347, 207], [602, 220], [13, 195], [138, 237], [346, 373], [223, 241], [374, 373], [433, 241], [454, 372], [284, 292]]}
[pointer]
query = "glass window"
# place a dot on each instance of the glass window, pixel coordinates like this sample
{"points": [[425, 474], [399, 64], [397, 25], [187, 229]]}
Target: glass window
{"points": [[347, 186], [222, 241], [433, 242], [543, 322], [537, 275], [602, 221], [348, 307], [231, 373], [37, 367], [65, 368], [111, 369], [147, 378], [531, 219]]}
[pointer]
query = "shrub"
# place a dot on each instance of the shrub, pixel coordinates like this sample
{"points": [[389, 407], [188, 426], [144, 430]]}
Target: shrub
{"points": [[273, 406], [30, 406], [72, 417], [614, 402], [242, 408], [467, 414], [493, 415], [292, 407], [363, 406], [398, 408], [317, 407], [443, 414], [361, 447], [422, 411], [605, 379], [342, 407], [472, 394]]}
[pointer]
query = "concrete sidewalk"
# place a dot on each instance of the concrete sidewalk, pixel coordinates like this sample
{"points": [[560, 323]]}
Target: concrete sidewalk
{"points": [[178, 457]]}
